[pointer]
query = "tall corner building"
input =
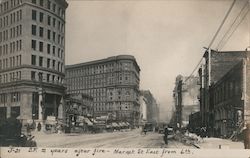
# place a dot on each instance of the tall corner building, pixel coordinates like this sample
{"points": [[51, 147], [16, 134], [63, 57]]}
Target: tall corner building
{"points": [[112, 82], [32, 57]]}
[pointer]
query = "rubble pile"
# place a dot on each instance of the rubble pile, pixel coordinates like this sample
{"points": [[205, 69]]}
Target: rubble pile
{"points": [[188, 138]]}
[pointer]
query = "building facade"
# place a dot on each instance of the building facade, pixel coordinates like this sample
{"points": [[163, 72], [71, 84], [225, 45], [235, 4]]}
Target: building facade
{"points": [[185, 97], [227, 102], [112, 82], [152, 109], [215, 65], [32, 42]]}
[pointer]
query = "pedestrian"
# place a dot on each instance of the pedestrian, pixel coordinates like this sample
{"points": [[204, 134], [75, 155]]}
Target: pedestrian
{"points": [[145, 130], [39, 126], [166, 135], [246, 136], [28, 130]]}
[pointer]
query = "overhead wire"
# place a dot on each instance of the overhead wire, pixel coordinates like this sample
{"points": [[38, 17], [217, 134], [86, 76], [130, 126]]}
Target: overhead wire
{"points": [[214, 37], [221, 25], [231, 26], [230, 35]]}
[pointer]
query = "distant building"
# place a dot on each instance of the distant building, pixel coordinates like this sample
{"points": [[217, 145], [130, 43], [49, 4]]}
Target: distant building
{"points": [[143, 110], [32, 55], [78, 110], [152, 109], [186, 101], [112, 82]]}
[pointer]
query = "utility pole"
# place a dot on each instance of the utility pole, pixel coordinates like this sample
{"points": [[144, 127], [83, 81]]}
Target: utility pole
{"points": [[41, 101]]}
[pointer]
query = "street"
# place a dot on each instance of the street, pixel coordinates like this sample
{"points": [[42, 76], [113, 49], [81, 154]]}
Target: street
{"points": [[126, 139]]}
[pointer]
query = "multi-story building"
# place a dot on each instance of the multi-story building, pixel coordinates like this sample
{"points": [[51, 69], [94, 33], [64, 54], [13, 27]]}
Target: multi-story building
{"points": [[32, 41], [227, 101], [112, 82], [215, 65], [152, 109], [186, 101]]}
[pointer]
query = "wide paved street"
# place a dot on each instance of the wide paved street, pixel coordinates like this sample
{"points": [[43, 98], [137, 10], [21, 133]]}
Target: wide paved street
{"points": [[127, 139]]}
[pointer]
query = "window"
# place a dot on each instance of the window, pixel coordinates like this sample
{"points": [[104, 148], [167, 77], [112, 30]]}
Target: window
{"points": [[34, 1], [53, 78], [54, 7], [41, 46], [33, 75], [48, 63], [33, 30], [40, 61], [33, 14], [48, 76], [48, 48], [41, 17], [54, 50], [41, 31], [48, 4], [41, 2], [48, 34], [40, 76], [33, 44], [54, 22], [49, 20], [53, 64], [33, 60], [54, 36], [58, 52]]}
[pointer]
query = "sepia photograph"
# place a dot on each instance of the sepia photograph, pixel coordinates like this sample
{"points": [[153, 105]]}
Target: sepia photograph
{"points": [[124, 74]]}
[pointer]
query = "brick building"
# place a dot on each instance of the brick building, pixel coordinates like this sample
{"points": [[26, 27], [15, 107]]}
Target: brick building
{"points": [[112, 82], [227, 102], [32, 41], [215, 65]]}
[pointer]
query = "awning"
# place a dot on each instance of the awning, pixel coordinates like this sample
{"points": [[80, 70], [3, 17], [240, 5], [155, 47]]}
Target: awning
{"points": [[120, 124], [51, 122], [81, 118], [115, 124], [86, 120], [108, 126]]}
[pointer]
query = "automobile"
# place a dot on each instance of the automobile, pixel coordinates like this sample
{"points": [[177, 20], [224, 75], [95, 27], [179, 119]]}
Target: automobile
{"points": [[170, 133]]}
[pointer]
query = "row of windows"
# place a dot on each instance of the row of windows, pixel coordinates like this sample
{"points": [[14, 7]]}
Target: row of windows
{"points": [[14, 97], [14, 17], [9, 4], [11, 33], [226, 91], [50, 63], [14, 61], [100, 69], [50, 35], [91, 82], [51, 21], [49, 48], [50, 6], [50, 78], [14, 46], [10, 77]]}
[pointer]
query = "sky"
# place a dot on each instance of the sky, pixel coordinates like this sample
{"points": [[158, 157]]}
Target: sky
{"points": [[166, 37]]}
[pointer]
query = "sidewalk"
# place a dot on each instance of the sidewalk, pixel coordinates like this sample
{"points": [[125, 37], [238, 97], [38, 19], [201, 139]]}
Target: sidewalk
{"points": [[218, 143]]}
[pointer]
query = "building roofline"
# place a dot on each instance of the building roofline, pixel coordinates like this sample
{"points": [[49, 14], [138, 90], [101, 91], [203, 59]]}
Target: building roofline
{"points": [[100, 61]]}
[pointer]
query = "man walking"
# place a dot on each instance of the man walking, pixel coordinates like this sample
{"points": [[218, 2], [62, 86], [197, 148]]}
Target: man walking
{"points": [[246, 134], [166, 135]]}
